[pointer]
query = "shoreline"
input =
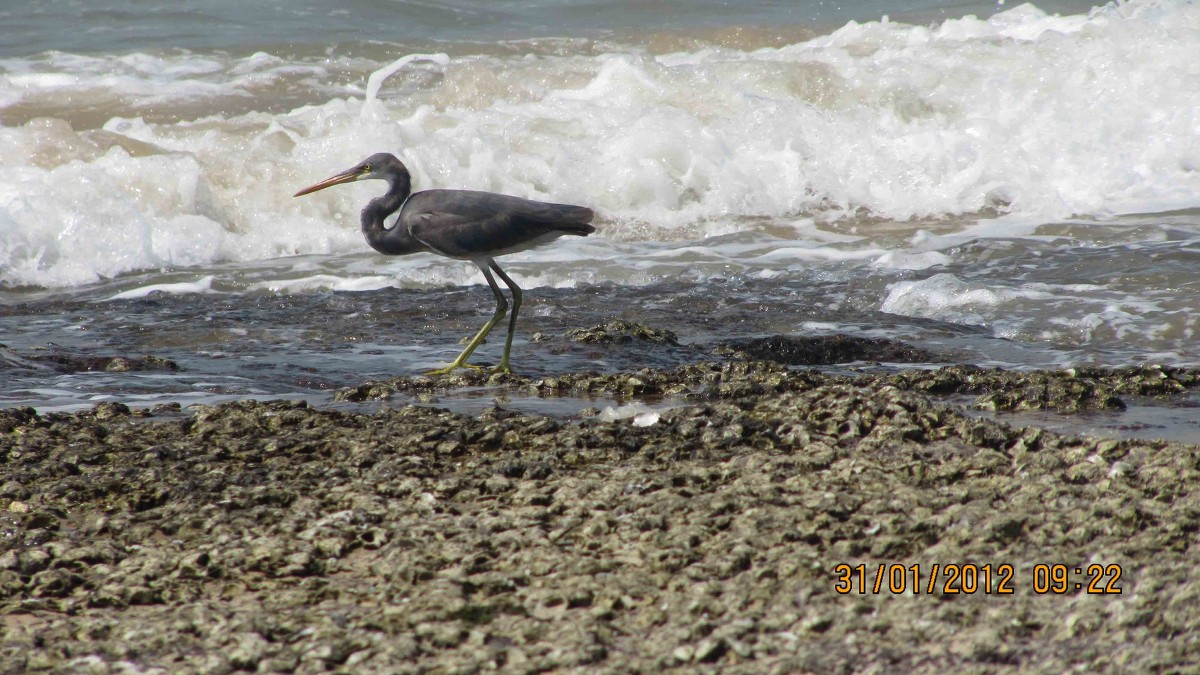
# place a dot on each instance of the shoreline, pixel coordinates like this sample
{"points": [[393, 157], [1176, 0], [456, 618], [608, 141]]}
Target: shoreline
{"points": [[281, 537]]}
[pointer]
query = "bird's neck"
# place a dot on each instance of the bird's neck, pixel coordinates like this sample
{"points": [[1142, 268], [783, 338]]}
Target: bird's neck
{"points": [[395, 241]]}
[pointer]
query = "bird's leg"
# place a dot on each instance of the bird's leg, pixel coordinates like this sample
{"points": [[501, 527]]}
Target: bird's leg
{"points": [[501, 309], [503, 366]]}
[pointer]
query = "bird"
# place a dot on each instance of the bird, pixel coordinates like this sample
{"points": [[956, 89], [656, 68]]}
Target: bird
{"points": [[462, 225]]}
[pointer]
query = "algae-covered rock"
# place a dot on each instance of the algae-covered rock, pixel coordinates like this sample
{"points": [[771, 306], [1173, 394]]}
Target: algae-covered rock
{"points": [[621, 332]]}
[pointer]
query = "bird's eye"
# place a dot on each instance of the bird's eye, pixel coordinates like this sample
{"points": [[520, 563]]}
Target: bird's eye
{"points": [[366, 168]]}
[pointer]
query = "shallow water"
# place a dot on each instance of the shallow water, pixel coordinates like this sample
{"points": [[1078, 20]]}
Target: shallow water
{"points": [[1144, 419], [1015, 186]]}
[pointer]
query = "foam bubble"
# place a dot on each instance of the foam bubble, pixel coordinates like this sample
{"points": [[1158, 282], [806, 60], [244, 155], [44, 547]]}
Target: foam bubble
{"points": [[901, 260], [640, 414]]}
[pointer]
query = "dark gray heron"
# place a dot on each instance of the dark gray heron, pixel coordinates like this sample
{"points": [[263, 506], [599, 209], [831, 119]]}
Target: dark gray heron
{"points": [[459, 224]]}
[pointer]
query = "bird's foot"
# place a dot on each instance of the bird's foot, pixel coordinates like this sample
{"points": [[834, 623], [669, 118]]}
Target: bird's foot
{"points": [[501, 367], [452, 367]]}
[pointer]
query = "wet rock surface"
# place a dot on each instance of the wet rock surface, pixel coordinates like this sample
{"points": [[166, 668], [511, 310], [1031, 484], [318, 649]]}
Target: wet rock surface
{"points": [[829, 349], [64, 362], [1072, 390], [278, 537]]}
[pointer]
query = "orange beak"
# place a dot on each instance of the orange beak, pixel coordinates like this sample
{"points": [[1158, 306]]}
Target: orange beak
{"points": [[347, 176]]}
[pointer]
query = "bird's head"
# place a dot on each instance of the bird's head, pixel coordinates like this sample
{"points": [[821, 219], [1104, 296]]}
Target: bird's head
{"points": [[381, 165]]}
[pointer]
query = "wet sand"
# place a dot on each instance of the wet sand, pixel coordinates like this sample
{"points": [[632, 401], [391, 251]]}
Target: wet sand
{"points": [[281, 537]]}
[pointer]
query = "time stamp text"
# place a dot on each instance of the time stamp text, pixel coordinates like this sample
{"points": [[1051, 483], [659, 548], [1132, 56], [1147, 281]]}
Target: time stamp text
{"points": [[970, 578]]}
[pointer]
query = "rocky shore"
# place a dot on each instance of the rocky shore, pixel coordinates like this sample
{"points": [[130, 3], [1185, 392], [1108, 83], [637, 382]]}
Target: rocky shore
{"points": [[705, 535]]}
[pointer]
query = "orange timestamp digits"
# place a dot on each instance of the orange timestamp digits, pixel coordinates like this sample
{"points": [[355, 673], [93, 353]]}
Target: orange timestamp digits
{"points": [[970, 578], [1095, 579], [895, 578]]}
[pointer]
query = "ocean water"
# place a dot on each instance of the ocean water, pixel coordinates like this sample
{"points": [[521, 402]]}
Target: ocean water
{"points": [[1010, 185]]}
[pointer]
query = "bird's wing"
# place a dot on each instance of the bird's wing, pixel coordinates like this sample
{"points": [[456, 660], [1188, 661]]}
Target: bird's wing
{"points": [[468, 225]]}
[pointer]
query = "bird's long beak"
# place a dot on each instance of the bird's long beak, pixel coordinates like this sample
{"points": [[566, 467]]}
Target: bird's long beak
{"points": [[347, 176]]}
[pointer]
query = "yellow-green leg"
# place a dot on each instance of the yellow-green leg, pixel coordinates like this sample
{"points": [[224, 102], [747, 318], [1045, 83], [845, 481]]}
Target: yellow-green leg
{"points": [[501, 310]]}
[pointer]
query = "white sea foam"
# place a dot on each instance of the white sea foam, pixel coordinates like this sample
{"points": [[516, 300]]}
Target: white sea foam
{"points": [[951, 298], [1066, 314], [325, 282], [121, 163], [203, 285]]}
